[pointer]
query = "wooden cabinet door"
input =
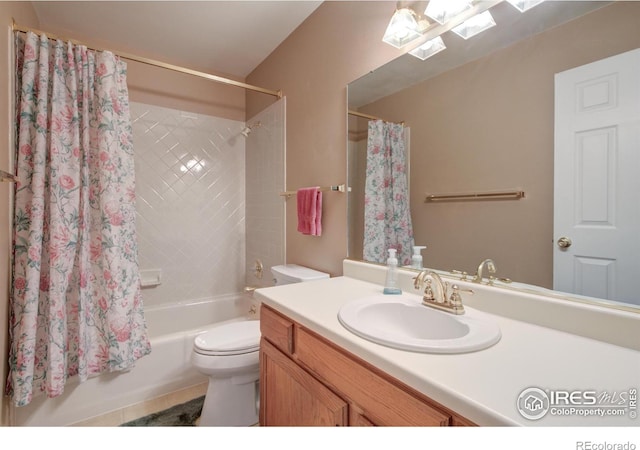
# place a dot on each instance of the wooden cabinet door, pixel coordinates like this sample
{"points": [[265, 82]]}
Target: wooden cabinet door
{"points": [[289, 396]]}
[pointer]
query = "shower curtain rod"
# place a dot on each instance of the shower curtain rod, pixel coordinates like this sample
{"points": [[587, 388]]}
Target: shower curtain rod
{"points": [[368, 116], [152, 62]]}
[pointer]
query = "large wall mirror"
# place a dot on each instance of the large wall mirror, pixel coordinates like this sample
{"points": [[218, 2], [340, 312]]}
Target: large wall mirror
{"points": [[482, 119]]}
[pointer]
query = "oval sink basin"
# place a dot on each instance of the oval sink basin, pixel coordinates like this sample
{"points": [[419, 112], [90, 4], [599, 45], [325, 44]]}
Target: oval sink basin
{"points": [[403, 322]]}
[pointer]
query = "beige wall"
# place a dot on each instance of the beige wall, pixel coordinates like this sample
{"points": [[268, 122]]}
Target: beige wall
{"points": [[170, 89], [339, 42], [488, 125]]}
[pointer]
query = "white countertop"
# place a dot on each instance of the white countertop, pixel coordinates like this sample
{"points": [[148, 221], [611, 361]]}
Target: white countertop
{"points": [[482, 386]]}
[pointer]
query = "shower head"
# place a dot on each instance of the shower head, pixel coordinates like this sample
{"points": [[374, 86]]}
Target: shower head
{"points": [[249, 128]]}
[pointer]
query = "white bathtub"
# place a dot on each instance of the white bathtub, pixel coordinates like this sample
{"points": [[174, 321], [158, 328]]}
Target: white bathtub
{"points": [[172, 329]]}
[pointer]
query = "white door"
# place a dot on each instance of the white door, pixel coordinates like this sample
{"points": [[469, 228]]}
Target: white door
{"points": [[597, 179]]}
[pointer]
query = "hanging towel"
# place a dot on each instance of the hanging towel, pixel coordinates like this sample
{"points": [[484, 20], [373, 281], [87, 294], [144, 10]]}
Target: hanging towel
{"points": [[309, 211]]}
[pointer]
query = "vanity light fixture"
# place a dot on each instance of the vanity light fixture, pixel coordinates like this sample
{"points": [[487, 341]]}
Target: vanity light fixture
{"points": [[474, 25], [402, 29], [444, 10], [429, 48], [524, 5]]}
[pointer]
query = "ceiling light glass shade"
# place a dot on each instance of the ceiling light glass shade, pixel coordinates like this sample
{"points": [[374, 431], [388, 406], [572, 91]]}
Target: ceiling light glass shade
{"points": [[524, 5], [429, 48], [443, 10], [476, 24], [403, 28]]}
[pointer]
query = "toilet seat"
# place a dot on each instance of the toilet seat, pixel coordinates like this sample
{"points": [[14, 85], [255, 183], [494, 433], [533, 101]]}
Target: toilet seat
{"points": [[235, 338]]}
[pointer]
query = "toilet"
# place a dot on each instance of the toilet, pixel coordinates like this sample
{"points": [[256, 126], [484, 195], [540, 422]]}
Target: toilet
{"points": [[228, 353], [293, 273]]}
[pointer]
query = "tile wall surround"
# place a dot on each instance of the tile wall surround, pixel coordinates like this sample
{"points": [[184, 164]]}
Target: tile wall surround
{"points": [[190, 186], [208, 200], [265, 180]]}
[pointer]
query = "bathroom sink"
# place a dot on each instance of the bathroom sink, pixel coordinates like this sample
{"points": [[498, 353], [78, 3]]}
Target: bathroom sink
{"points": [[402, 322]]}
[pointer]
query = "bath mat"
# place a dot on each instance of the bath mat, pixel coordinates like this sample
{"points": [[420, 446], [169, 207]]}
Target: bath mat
{"points": [[183, 415]]}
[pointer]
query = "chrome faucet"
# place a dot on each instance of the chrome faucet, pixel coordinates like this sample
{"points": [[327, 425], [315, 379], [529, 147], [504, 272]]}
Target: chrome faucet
{"points": [[491, 267], [439, 300]]}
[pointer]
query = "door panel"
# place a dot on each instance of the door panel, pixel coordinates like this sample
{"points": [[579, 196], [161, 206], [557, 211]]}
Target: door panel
{"points": [[597, 157]]}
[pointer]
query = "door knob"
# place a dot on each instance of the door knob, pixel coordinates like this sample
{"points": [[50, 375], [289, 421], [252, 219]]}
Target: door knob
{"points": [[564, 242]]}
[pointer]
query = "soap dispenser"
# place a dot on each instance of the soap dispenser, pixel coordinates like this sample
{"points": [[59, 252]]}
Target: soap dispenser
{"points": [[390, 287], [416, 259]]}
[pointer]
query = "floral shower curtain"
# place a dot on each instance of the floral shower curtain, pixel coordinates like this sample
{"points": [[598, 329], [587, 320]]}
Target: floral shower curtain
{"points": [[76, 307], [387, 219]]}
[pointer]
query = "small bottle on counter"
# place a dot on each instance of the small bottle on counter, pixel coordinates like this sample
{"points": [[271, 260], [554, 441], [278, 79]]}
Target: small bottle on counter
{"points": [[416, 259], [390, 285]]}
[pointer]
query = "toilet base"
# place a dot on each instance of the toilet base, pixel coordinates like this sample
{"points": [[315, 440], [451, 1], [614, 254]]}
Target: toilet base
{"points": [[231, 402]]}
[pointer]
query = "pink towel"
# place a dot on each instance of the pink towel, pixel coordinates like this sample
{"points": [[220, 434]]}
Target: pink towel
{"points": [[309, 211]]}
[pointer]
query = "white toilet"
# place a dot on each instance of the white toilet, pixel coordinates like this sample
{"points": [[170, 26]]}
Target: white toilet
{"points": [[293, 273], [228, 354]]}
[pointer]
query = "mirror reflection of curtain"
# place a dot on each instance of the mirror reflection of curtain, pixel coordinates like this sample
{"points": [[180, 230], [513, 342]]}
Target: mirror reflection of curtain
{"points": [[387, 218], [76, 305]]}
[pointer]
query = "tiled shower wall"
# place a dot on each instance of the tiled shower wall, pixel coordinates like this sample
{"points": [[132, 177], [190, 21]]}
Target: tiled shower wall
{"points": [[265, 181], [190, 186]]}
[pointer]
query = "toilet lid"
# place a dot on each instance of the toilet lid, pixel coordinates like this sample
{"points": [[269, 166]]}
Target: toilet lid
{"points": [[230, 338]]}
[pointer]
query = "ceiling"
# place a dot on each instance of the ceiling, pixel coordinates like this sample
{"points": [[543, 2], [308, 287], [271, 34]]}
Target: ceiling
{"points": [[230, 38]]}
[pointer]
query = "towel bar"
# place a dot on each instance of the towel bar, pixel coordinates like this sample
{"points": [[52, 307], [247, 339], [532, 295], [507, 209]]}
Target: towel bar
{"points": [[338, 188], [508, 195]]}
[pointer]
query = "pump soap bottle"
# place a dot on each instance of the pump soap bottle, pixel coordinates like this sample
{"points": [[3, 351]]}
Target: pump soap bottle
{"points": [[390, 287], [416, 259]]}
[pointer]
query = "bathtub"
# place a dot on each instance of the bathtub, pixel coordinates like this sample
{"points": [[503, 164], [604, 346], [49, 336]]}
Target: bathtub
{"points": [[171, 330]]}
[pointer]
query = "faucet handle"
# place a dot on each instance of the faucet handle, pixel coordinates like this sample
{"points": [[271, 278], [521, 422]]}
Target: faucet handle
{"points": [[428, 292], [463, 275], [456, 299], [457, 289]]}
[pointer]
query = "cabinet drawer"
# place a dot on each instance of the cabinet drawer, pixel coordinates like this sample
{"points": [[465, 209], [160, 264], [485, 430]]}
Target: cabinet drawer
{"points": [[277, 329], [384, 400]]}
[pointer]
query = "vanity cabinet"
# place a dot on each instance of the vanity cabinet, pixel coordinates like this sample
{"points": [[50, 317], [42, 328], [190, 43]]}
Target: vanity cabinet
{"points": [[307, 380]]}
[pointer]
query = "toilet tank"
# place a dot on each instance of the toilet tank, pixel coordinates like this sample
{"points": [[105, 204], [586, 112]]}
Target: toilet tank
{"points": [[293, 273]]}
